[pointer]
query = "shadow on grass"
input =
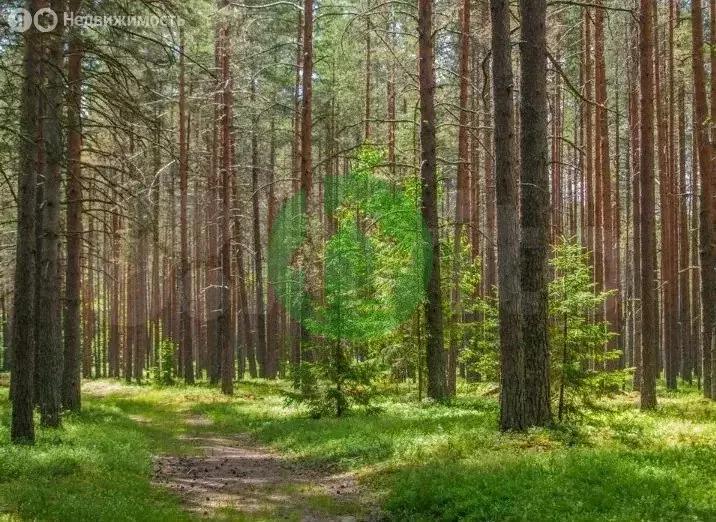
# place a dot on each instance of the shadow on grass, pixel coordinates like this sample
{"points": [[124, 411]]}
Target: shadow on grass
{"points": [[430, 462], [575, 485], [96, 468], [358, 439], [449, 462]]}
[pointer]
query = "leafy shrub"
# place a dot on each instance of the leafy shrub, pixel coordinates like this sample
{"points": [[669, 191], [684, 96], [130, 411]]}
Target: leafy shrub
{"points": [[577, 338], [163, 370], [328, 389]]}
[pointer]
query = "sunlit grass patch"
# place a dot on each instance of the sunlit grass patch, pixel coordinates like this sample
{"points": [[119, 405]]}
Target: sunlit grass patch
{"points": [[426, 461], [96, 468]]}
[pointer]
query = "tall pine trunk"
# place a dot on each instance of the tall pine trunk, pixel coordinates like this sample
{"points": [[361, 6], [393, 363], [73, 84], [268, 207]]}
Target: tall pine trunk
{"points": [[49, 324], [437, 382], [462, 210], [512, 399], [224, 322], [258, 257], [634, 147], [712, 296], [23, 321], [609, 261], [534, 241], [685, 311], [273, 334], [71, 397], [706, 211], [306, 164], [185, 320], [649, 319]]}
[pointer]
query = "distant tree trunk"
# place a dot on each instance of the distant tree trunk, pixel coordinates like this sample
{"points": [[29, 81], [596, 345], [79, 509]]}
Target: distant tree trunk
{"points": [[670, 245], [490, 271], [666, 285], [293, 327], [88, 322], [210, 305], [649, 320], [306, 166], [629, 304], [141, 348], [71, 380], [213, 266], [197, 308], [597, 179], [368, 73], [462, 214], [248, 348], [556, 191], [534, 242], [712, 296], [185, 320], [437, 383], [258, 257], [225, 330], [391, 97], [156, 296], [49, 324], [172, 315], [634, 146], [484, 141], [102, 279], [696, 319], [128, 315], [687, 355], [512, 398], [619, 342], [5, 332], [272, 318], [589, 143], [307, 97], [708, 253], [39, 201], [609, 261], [23, 321]]}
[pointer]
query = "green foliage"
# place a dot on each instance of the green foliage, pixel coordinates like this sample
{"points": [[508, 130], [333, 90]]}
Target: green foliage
{"points": [[482, 354], [578, 340], [474, 321], [330, 389], [448, 463], [436, 463], [374, 263], [375, 267], [163, 370]]}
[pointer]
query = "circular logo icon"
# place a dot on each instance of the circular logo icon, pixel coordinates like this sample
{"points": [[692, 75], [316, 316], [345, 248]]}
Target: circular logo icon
{"points": [[368, 273], [46, 20], [19, 20]]}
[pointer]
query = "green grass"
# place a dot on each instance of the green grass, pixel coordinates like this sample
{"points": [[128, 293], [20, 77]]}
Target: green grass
{"points": [[96, 468], [426, 462]]}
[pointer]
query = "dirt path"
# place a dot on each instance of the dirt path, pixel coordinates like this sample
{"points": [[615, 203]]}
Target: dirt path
{"points": [[240, 480]]}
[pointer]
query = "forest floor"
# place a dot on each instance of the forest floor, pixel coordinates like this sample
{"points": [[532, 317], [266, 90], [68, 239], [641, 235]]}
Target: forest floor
{"points": [[180, 454]]}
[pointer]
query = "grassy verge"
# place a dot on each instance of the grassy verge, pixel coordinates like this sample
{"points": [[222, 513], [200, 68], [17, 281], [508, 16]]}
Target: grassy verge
{"points": [[96, 468], [428, 462]]}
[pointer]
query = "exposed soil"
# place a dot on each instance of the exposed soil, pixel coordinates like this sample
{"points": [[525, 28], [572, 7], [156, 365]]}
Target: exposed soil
{"points": [[236, 476], [103, 388]]}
